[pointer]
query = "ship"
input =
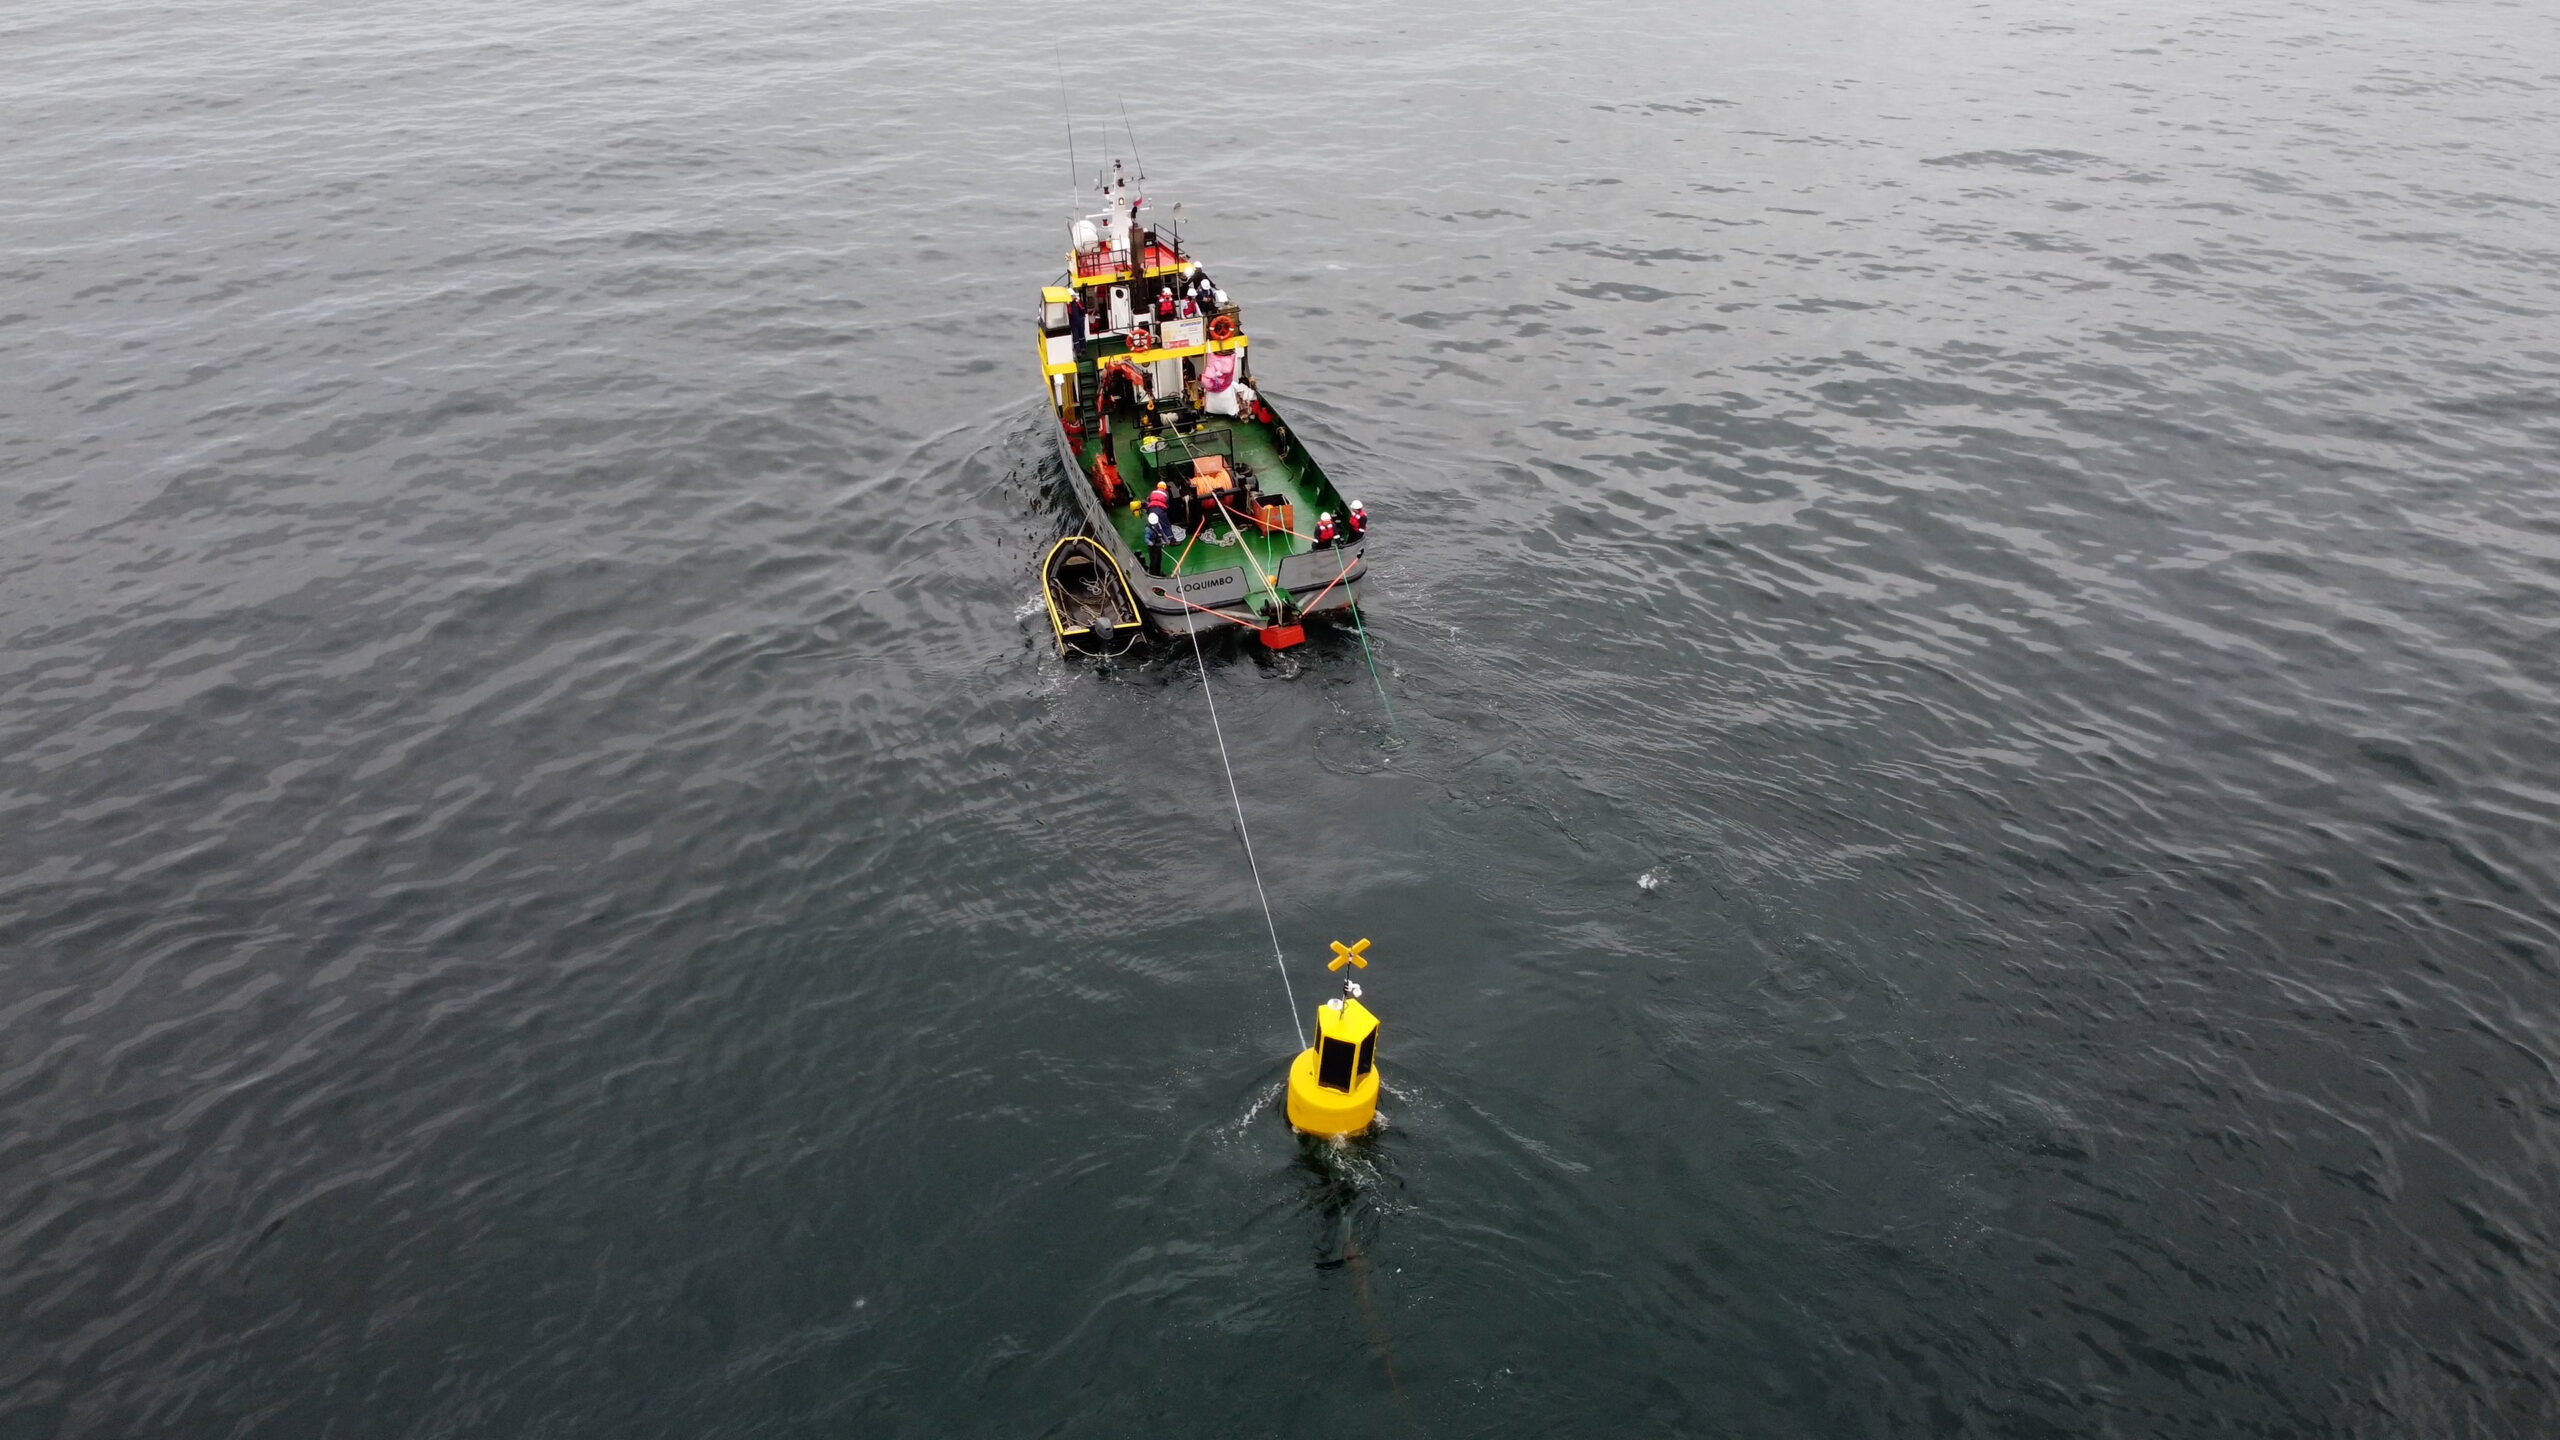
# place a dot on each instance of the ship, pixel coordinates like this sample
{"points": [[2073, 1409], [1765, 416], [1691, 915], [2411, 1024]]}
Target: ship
{"points": [[1150, 383]]}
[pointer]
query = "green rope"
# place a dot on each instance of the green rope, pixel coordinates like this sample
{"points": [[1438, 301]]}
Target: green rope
{"points": [[1363, 632]]}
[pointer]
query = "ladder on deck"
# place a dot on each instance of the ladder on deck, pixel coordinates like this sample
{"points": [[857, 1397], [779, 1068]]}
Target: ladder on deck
{"points": [[1088, 395]]}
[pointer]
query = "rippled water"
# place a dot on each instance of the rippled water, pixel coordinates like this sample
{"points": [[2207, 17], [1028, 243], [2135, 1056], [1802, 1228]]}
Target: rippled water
{"points": [[1966, 845]]}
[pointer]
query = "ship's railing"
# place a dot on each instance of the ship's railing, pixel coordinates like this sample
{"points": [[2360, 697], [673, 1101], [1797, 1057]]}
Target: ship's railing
{"points": [[1101, 262], [1163, 247], [1177, 448]]}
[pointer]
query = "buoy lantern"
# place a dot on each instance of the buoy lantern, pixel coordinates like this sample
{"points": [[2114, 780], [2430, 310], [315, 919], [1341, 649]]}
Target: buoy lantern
{"points": [[1333, 1084]]}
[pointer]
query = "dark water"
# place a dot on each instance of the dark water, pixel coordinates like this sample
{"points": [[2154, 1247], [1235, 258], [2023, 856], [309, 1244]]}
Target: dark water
{"points": [[551, 885]]}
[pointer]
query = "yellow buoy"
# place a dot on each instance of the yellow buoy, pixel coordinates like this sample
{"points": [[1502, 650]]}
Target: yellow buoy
{"points": [[1333, 1084]]}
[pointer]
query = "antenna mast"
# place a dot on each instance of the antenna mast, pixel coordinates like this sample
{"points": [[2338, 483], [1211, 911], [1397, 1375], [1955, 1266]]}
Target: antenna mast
{"points": [[1133, 140], [1075, 173]]}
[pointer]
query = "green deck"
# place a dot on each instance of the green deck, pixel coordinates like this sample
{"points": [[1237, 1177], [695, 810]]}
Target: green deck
{"points": [[1278, 470]]}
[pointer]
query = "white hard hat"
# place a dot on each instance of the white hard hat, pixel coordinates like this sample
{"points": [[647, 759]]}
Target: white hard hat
{"points": [[1355, 505], [1324, 515]]}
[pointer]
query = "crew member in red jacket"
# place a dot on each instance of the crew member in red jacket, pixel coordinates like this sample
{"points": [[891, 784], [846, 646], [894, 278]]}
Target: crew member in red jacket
{"points": [[1159, 503]]}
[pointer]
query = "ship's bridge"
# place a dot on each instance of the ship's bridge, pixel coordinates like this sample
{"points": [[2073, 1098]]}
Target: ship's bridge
{"points": [[1105, 307], [1160, 248]]}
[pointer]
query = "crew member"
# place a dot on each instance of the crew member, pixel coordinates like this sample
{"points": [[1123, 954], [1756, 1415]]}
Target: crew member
{"points": [[1157, 502], [1325, 533], [1355, 525]]}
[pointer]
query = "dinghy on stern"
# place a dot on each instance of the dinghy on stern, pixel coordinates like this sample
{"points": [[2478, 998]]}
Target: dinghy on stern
{"points": [[1091, 607]]}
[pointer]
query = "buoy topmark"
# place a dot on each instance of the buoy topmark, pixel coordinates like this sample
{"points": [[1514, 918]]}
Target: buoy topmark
{"points": [[1333, 1084]]}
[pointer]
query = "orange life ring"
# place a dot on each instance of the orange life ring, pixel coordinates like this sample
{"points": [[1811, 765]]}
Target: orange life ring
{"points": [[1141, 338], [1223, 328]]}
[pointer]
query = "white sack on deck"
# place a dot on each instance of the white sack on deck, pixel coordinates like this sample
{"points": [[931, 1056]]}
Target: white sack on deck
{"points": [[1236, 399]]}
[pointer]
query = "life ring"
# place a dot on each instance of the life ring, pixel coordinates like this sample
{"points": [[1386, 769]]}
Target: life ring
{"points": [[1223, 328], [1141, 338]]}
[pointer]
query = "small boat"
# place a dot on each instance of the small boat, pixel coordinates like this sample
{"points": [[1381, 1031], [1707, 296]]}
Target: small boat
{"points": [[1091, 607], [1150, 382]]}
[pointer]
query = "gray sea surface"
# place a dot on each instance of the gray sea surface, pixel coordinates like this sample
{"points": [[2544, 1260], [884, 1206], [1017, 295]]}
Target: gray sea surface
{"points": [[1960, 809]]}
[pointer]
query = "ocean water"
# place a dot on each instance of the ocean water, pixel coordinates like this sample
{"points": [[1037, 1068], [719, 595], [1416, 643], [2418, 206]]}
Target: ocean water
{"points": [[1959, 808]]}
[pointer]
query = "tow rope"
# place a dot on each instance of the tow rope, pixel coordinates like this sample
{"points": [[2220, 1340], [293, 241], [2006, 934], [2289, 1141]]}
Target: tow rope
{"points": [[1192, 628], [1219, 730], [1363, 632]]}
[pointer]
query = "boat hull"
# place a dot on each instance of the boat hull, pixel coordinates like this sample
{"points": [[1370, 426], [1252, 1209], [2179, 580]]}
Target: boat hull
{"points": [[1093, 611]]}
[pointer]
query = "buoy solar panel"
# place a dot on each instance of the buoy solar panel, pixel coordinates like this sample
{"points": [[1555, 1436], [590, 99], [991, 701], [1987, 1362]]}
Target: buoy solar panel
{"points": [[1333, 1084]]}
